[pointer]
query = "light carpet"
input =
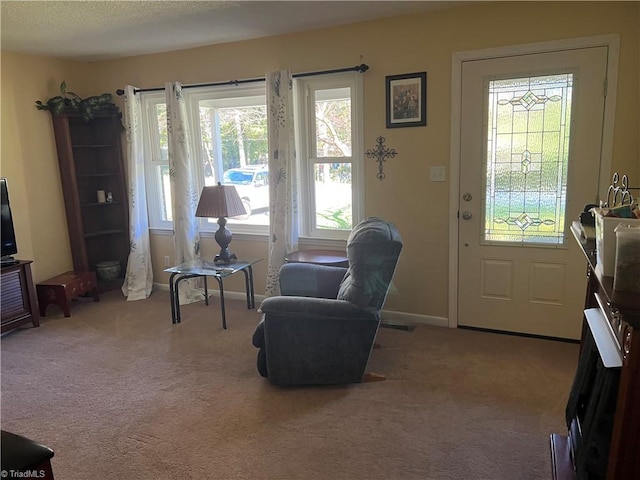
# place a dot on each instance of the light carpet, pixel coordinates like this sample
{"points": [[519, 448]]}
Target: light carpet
{"points": [[118, 392]]}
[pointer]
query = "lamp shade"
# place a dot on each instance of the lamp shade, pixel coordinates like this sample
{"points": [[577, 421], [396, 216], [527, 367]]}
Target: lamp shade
{"points": [[220, 201]]}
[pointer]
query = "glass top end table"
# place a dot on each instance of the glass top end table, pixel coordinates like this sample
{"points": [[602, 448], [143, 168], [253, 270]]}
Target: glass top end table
{"points": [[204, 268]]}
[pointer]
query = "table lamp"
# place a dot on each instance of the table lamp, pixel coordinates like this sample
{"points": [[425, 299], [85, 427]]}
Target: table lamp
{"points": [[221, 201]]}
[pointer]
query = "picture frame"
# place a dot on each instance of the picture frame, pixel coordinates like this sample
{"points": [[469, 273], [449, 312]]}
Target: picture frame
{"points": [[406, 97]]}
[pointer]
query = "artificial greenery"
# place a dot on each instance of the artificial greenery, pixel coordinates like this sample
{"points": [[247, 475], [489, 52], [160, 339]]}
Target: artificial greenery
{"points": [[86, 107]]}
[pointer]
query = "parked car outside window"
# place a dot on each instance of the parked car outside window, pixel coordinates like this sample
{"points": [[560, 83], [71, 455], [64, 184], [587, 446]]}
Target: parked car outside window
{"points": [[252, 184]]}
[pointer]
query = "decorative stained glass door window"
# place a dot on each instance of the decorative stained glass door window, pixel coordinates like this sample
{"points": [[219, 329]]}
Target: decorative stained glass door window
{"points": [[528, 128]]}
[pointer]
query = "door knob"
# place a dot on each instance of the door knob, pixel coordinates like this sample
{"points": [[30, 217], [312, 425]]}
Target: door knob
{"points": [[466, 215]]}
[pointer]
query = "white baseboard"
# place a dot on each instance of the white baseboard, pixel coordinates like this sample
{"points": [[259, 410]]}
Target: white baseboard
{"points": [[403, 318], [388, 316]]}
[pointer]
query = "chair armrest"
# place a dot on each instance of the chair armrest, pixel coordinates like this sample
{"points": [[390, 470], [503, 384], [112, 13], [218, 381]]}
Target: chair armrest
{"points": [[321, 307], [309, 280], [21, 453]]}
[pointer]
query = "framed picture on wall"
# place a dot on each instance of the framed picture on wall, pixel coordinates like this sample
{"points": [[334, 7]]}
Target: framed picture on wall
{"points": [[406, 100]]}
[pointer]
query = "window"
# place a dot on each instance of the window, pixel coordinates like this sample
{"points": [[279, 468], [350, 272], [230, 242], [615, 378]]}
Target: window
{"points": [[329, 137], [157, 164], [527, 159], [229, 143], [231, 147]]}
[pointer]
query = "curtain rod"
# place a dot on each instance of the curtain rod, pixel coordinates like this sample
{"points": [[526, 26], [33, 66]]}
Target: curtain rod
{"points": [[358, 68]]}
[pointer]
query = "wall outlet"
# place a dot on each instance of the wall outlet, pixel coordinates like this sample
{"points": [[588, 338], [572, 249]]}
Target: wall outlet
{"points": [[437, 174], [167, 261]]}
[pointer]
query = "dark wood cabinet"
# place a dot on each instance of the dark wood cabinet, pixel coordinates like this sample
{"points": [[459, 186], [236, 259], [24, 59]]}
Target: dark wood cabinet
{"points": [[603, 410], [91, 160], [18, 296]]}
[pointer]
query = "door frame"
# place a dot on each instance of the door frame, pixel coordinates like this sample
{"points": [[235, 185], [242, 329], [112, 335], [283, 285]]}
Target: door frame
{"points": [[611, 41]]}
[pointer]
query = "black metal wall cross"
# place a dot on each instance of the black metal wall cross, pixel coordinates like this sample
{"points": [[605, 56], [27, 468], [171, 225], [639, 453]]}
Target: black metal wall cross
{"points": [[381, 153]]}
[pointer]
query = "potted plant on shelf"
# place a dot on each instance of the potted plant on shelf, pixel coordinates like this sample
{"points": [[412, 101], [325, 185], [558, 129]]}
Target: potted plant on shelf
{"points": [[71, 102]]}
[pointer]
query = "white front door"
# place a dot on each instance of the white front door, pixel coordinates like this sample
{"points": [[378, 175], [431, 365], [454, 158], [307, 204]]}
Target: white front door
{"points": [[531, 137]]}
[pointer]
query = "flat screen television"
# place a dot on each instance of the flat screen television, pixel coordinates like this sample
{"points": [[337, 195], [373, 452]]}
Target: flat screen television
{"points": [[9, 245]]}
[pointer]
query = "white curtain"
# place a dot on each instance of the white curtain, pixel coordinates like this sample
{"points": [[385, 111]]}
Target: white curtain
{"points": [[184, 192], [283, 189], [139, 276]]}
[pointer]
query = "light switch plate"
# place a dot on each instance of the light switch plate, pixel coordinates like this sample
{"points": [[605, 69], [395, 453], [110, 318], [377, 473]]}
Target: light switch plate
{"points": [[437, 174]]}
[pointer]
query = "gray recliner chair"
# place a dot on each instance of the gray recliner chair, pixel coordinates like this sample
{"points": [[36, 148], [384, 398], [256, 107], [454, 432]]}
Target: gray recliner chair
{"points": [[322, 328]]}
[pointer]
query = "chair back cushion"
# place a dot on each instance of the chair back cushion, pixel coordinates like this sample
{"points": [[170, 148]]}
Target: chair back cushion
{"points": [[373, 249]]}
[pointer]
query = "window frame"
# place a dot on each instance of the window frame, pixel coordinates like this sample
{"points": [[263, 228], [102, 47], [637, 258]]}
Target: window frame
{"points": [[305, 120], [224, 97], [153, 159], [304, 123]]}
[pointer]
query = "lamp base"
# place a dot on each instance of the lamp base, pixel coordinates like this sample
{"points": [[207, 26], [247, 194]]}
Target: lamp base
{"points": [[225, 259], [223, 238]]}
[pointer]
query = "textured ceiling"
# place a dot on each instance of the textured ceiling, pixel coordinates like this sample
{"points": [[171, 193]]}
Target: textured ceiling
{"points": [[100, 30]]}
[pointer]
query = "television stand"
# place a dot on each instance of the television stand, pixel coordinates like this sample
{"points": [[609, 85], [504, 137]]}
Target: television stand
{"points": [[8, 260], [18, 296]]}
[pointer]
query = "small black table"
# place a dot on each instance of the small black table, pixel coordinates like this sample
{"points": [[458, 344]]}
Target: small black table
{"points": [[202, 268]]}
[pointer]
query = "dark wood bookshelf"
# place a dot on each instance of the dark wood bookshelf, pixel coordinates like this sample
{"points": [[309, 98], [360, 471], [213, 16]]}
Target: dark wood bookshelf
{"points": [[90, 157]]}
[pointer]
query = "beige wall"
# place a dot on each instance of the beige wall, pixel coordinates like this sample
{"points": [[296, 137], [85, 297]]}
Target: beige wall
{"points": [[28, 160], [390, 46]]}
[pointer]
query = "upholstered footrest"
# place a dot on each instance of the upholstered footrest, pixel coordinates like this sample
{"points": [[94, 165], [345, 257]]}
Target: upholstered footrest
{"points": [[22, 457], [64, 288]]}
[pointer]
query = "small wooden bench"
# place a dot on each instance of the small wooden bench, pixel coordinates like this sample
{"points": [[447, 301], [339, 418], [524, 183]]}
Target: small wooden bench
{"points": [[62, 289]]}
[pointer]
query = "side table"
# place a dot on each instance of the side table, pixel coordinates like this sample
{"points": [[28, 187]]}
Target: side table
{"points": [[202, 268], [332, 258]]}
